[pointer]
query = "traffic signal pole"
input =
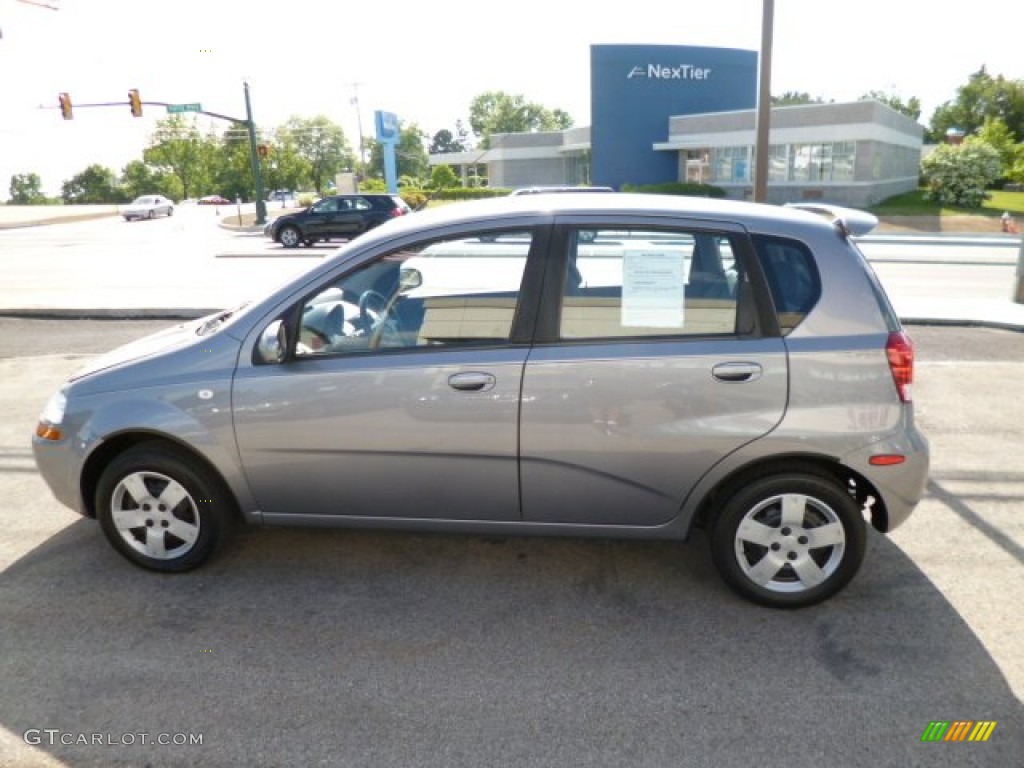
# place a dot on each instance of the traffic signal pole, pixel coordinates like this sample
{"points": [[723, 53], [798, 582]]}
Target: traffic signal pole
{"points": [[254, 158], [135, 103]]}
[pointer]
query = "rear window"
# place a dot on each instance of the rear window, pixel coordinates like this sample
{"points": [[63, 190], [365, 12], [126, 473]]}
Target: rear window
{"points": [[792, 277]]}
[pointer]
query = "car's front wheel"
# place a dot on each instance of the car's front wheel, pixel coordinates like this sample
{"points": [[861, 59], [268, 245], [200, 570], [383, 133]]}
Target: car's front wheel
{"points": [[160, 510], [789, 540], [289, 237]]}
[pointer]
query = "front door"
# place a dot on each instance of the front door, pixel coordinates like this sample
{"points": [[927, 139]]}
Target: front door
{"points": [[400, 398]]}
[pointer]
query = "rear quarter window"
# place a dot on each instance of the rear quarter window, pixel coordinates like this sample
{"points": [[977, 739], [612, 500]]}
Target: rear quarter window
{"points": [[792, 278]]}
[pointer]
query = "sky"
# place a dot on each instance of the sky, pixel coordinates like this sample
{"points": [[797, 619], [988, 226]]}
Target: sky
{"points": [[426, 61]]}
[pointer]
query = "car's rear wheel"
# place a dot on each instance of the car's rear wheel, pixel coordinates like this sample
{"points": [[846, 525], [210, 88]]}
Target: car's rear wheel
{"points": [[789, 540], [170, 211], [161, 511], [289, 237]]}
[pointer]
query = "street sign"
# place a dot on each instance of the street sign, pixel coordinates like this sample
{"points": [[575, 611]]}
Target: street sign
{"points": [[173, 108]]}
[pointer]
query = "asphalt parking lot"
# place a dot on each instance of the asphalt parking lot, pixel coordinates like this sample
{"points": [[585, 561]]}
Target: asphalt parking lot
{"points": [[300, 647]]}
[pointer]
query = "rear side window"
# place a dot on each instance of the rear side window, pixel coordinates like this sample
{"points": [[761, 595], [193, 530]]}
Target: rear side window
{"points": [[633, 283], [792, 277]]}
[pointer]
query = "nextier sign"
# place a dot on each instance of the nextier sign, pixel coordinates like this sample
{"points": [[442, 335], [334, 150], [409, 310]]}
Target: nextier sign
{"points": [[635, 89]]}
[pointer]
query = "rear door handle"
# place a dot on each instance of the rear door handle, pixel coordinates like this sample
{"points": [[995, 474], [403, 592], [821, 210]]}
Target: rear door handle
{"points": [[737, 371], [471, 381]]}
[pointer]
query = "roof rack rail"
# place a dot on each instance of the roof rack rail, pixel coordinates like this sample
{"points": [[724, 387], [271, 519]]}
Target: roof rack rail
{"points": [[850, 222]]}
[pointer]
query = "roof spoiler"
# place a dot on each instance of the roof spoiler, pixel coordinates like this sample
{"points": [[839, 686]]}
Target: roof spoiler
{"points": [[849, 221]]}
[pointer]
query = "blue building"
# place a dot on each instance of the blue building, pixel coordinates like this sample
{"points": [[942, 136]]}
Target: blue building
{"points": [[680, 113]]}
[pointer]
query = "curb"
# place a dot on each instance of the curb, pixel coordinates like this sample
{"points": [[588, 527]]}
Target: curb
{"points": [[106, 313], [57, 220], [192, 313], [950, 322]]}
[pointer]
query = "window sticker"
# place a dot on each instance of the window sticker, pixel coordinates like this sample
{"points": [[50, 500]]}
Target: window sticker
{"points": [[653, 288]]}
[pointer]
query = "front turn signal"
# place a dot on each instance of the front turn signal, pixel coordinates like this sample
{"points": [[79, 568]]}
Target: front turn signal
{"points": [[46, 431]]}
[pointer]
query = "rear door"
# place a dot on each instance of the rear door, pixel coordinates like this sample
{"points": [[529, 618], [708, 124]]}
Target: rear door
{"points": [[654, 361]]}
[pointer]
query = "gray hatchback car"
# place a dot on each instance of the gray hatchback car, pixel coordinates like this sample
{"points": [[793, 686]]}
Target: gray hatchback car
{"points": [[584, 365]]}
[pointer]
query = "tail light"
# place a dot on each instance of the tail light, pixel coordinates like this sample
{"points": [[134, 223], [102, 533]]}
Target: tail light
{"points": [[396, 212], [899, 349]]}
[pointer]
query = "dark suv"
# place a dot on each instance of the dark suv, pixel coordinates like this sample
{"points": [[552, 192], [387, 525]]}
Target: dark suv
{"points": [[337, 216]]}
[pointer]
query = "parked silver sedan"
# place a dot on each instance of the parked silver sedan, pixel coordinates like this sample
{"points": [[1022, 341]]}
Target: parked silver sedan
{"points": [[148, 207], [584, 365]]}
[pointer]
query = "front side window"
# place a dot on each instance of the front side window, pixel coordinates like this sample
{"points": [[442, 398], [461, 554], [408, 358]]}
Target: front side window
{"points": [[440, 293], [641, 283], [329, 205]]}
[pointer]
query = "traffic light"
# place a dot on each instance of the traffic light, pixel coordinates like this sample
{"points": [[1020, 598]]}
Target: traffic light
{"points": [[135, 102], [65, 106]]}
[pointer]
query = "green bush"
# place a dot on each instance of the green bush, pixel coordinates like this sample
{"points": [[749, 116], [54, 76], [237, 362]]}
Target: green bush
{"points": [[414, 198], [468, 193], [959, 173], [676, 188], [443, 177]]}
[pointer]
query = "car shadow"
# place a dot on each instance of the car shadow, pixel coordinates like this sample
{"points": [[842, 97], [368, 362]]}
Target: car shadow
{"points": [[299, 647]]}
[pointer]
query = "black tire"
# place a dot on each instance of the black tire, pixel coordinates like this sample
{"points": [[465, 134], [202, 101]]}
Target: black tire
{"points": [[170, 211], [789, 540], [188, 528], [290, 237]]}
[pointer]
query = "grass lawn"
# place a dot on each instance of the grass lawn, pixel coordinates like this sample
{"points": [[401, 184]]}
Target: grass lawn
{"points": [[914, 204]]}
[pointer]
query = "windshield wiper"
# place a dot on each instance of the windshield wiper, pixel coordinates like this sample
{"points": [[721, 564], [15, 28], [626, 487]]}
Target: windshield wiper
{"points": [[217, 320]]}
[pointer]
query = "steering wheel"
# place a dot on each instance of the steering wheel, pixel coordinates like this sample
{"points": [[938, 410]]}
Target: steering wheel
{"points": [[372, 306]]}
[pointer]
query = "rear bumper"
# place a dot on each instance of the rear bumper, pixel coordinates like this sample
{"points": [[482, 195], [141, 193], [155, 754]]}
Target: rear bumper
{"points": [[901, 486]]}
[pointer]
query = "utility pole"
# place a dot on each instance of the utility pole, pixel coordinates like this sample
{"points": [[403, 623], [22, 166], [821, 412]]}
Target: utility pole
{"points": [[359, 120], [764, 104]]}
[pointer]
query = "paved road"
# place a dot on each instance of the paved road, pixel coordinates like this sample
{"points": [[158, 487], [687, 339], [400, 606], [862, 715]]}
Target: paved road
{"points": [[374, 649], [178, 265]]}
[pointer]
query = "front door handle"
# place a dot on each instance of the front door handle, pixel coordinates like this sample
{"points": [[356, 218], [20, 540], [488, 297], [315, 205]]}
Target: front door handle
{"points": [[737, 371], [471, 381]]}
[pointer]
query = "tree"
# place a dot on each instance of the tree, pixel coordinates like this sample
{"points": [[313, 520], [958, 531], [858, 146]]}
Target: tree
{"points": [[910, 108], [444, 142], [322, 145], [138, 179], [284, 167], [957, 174], [410, 155], [96, 184], [983, 96], [232, 168], [995, 133], [791, 98], [443, 177], [27, 189], [499, 112], [179, 148]]}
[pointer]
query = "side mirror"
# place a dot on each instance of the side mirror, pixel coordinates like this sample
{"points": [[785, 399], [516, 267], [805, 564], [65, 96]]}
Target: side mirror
{"points": [[409, 279], [273, 343]]}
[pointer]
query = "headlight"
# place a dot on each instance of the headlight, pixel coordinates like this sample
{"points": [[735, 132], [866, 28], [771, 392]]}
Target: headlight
{"points": [[51, 417]]}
